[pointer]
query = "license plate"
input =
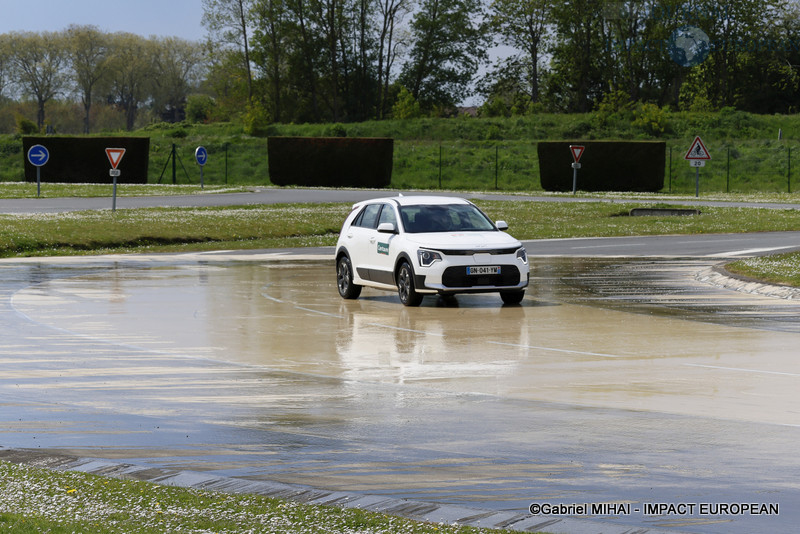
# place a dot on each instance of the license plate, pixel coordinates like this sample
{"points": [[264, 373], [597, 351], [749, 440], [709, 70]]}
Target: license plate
{"points": [[494, 269]]}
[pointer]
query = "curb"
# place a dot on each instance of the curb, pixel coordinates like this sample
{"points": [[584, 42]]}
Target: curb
{"points": [[416, 510], [718, 276]]}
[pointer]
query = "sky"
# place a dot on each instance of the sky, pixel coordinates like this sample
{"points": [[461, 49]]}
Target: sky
{"points": [[163, 18]]}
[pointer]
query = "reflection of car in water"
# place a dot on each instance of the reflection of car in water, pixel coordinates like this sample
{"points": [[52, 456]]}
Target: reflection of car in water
{"points": [[428, 245]]}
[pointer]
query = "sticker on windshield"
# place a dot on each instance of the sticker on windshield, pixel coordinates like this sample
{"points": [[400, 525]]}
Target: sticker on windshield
{"points": [[383, 248]]}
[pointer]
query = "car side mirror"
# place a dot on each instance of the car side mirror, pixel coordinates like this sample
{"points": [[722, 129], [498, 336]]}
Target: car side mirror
{"points": [[387, 228], [501, 225]]}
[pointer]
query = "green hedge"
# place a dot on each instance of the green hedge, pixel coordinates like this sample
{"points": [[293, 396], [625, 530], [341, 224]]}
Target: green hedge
{"points": [[605, 165], [84, 160], [330, 161]]}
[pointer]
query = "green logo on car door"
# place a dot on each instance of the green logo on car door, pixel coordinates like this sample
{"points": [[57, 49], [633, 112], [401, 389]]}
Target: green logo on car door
{"points": [[383, 248]]}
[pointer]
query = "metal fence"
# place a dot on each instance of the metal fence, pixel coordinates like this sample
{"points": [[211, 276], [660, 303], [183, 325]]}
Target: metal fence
{"points": [[742, 166]]}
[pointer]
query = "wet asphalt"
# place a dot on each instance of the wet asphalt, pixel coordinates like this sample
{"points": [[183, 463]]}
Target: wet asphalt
{"points": [[628, 392]]}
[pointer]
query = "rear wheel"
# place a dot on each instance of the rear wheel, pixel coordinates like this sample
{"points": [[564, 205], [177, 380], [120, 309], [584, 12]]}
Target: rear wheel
{"points": [[405, 286], [344, 279], [512, 297]]}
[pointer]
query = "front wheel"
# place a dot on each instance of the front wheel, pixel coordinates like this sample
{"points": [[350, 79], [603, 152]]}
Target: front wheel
{"points": [[405, 286], [512, 297], [344, 279]]}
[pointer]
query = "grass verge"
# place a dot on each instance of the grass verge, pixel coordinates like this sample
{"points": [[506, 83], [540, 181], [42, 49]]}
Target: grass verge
{"points": [[777, 269], [302, 225], [49, 190], [39, 500]]}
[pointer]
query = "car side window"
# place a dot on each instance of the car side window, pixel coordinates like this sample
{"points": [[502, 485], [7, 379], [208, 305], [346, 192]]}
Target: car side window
{"points": [[387, 216], [369, 217]]}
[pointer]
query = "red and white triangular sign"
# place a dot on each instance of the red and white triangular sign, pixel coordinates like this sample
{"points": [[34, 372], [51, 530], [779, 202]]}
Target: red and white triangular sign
{"points": [[115, 156], [577, 152], [697, 151]]}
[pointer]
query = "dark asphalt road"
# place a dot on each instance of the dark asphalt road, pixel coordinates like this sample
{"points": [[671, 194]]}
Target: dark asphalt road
{"points": [[280, 196]]}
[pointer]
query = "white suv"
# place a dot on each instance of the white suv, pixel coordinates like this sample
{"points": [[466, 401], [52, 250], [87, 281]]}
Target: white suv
{"points": [[421, 245]]}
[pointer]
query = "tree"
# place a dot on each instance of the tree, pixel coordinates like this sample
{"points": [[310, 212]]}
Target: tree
{"points": [[39, 62], [5, 62], [449, 44], [133, 73], [176, 65], [227, 21], [523, 24], [88, 48], [269, 54], [578, 77], [392, 13]]}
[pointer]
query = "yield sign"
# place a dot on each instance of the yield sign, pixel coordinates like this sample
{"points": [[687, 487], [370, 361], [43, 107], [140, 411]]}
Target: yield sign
{"points": [[698, 151], [577, 152], [115, 156]]}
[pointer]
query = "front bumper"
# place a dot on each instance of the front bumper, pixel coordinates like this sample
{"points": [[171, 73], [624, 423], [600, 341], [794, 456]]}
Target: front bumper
{"points": [[447, 277]]}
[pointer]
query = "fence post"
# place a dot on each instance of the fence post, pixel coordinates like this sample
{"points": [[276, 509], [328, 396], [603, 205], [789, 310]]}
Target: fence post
{"points": [[496, 164], [670, 169], [728, 173], [789, 170], [440, 165]]}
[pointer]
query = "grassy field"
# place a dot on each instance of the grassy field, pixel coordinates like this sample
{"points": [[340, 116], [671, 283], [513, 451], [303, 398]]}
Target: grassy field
{"points": [[277, 226], [482, 154], [35, 500]]}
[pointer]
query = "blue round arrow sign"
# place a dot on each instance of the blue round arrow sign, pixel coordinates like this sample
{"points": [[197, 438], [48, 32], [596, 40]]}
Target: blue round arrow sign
{"points": [[201, 155], [38, 155]]}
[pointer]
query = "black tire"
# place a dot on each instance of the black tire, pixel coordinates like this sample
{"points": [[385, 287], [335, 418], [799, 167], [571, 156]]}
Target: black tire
{"points": [[405, 286], [512, 297], [344, 279]]}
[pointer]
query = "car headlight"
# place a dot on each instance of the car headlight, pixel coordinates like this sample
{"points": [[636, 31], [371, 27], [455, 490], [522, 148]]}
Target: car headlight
{"points": [[522, 255], [428, 257]]}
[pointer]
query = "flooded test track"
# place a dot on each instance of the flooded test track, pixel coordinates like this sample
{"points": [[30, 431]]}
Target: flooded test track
{"points": [[618, 380]]}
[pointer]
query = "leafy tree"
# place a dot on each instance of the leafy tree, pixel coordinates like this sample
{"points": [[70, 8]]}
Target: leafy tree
{"points": [[449, 44], [523, 24], [227, 21], [578, 78], [5, 62], [88, 49], [177, 72], [39, 62], [269, 53], [392, 13], [131, 63]]}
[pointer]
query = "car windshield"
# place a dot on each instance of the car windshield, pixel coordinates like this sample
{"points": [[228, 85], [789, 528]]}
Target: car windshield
{"points": [[444, 218]]}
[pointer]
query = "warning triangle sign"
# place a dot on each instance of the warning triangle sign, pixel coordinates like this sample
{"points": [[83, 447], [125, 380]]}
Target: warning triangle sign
{"points": [[697, 151], [577, 152], [115, 156]]}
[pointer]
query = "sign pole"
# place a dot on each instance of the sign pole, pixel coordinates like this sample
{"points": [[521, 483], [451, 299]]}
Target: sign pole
{"points": [[697, 156], [38, 156], [574, 179], [697, 182], [577, 152], [114, 157]]}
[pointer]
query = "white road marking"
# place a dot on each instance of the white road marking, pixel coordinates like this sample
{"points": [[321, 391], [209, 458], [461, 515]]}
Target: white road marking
{"points": [[741, 370], [551, 349], [747, 252]]}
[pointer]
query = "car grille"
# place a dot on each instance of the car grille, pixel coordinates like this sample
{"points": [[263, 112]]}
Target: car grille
{"points": [[470, 252], [458, 277]]}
